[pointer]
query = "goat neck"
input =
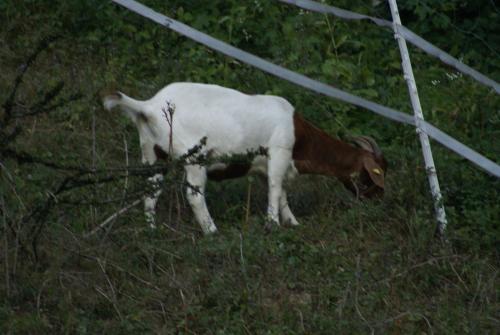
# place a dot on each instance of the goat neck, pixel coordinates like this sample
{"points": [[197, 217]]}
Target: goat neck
{"points": [[316, 152]]}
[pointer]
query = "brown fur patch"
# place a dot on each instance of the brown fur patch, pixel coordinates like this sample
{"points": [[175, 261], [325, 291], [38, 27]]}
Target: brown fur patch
{"points": [[234, 170]]}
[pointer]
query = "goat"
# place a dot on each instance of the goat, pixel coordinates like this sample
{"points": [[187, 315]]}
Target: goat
{"points": [[360, 166], [229, 121]]}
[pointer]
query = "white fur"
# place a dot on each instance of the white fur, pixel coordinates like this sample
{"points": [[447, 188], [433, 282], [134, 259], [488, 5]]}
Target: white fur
{"points": [[232, 122]]}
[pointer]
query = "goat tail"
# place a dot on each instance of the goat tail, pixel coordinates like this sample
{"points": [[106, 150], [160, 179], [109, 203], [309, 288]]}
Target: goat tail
{"points": [[133, 108]]}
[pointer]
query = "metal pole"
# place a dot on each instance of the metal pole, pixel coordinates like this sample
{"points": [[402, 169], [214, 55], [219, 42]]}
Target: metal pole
{"points": [[417, 110]]}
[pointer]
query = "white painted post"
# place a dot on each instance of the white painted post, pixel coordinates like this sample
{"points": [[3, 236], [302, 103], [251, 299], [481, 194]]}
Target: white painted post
{"points": [[417, 110]]}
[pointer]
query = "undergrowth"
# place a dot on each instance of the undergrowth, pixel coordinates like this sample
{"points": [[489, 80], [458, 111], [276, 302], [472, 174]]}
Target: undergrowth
{"points": [[78, 258]]}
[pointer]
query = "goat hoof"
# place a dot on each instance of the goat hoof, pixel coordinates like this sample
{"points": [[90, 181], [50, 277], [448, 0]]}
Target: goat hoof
{"points": [[210, 230], [271, 225], [291, 222]]}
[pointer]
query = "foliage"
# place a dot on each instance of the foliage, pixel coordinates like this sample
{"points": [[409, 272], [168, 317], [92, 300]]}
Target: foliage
{"points": [[351, 267]]}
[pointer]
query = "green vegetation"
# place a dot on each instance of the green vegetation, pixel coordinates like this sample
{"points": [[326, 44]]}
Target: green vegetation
{"points": [[350, 268]]}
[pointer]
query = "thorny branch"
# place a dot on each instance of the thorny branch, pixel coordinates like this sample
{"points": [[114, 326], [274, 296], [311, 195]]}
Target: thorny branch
{"points": [[78, 176], [9, 132], [9, 103]]}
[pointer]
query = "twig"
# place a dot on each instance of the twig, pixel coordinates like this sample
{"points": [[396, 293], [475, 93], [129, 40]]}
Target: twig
{"points": [[182, 297], [428, 323], [119, 268], [112, 217], [477, 291], [426, 262], [163, 312], [19, 245], [11, 182], [242, 260], [247, 210], [356, 303], [458, 276], [177, 205], [168, 112], [403, 314], [391, 319], [100, 291], [92, 208], [39, 296], [125, 183], [344, 299], [301, 318], [6, 241], [15, 230], [113, 297]]}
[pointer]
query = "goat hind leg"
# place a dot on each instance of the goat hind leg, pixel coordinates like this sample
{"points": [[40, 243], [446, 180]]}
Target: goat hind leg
{"points": [[151, 200], [278, 163], [286, 214]]}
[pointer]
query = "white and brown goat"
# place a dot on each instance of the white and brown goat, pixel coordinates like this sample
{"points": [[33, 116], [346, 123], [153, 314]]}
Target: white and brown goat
{"points": [[230, 122]]}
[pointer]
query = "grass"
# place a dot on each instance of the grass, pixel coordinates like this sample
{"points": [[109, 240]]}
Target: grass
{"points": [[349, 268]]}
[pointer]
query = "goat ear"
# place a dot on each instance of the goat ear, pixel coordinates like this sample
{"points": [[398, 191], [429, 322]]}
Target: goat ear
{"points": [[375, 171]]}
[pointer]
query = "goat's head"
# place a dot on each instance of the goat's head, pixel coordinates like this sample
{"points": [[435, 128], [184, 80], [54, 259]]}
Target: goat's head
{"points": [[371, 181]]}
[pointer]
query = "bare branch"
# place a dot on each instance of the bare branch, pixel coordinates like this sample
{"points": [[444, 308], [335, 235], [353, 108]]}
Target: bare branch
{"points": [[9, 103], [112, 217]]}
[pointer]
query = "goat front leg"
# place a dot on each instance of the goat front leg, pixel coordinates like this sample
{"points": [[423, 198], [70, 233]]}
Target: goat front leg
{"points": [[151, 199], [278, 163], [196, 177]]}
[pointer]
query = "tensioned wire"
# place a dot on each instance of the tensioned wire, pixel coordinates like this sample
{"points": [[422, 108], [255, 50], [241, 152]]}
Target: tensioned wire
{"points": [[406, 33], [312, 84]]}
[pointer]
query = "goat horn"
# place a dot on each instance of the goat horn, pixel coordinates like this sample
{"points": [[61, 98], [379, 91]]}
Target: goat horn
{"points": [[368, 143], [375, 147], [361, 142]]}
